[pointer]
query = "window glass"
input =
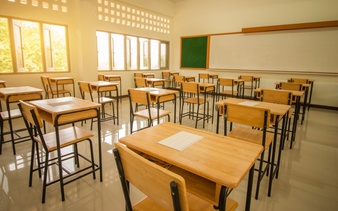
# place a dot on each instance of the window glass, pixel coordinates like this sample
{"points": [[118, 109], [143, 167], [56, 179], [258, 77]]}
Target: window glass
{"points": [[131, 48], [164, 55], [144, 53], [27, 46], [6, 64], [117, 41], [55, 47], [103, 50], [155, 54]]}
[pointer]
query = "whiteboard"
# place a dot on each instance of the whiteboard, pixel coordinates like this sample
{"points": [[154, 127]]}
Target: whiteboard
{"points": [[309, 50]]}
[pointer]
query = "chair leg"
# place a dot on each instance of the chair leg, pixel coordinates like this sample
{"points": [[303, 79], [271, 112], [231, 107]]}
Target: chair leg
{"points": [[2, 134], [32, 164], [92, 157], [44, 185], [260, 175]]}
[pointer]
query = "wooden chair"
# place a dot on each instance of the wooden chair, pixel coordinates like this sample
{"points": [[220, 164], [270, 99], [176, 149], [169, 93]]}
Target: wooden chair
{"points": [[203, 77], [2, 85], [226, 87], [4, 116], [191, 94], [100, 77], [248, 83], [165, 190], [167, 79], [280, 97], [299, 80], [139, 75], [17, 134], [137, 97], [140, 82], [69, 137], [85, 89], [50, 90], [258, 120], [292, 87], [179, 79]]}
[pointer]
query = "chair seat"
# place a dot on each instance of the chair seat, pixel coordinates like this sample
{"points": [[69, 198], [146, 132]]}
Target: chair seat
{"points": [[104, 100], [67, 136], [15, 113], [153, 113], [195, 204], [251, 135], [60, 91], [196, 100], [228, 92]]}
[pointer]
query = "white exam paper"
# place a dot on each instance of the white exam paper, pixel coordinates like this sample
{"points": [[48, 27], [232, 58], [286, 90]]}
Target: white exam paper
{"points": [[180, 140], [249, 103]]}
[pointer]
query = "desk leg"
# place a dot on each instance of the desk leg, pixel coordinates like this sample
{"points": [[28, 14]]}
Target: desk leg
{"points": [[99, 141], [217, 120], [304, 104], [272, 164], [310, 97], [295, 120], [249, 188], [175, 108], [222, 198]]}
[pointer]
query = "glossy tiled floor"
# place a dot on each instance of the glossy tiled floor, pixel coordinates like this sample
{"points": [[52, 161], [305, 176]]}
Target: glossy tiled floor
{"points": [[308, 177]]}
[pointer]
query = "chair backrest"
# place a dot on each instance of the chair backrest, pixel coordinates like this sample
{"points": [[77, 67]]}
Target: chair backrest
{"points": [[226, 82], [179, 78], [300, 80], [85, 89], [166, 75], [247, 78], [140, 82], [139, 96], [204, 76], [191, 87], [2, 85], [100, 77], [45, 83], [32, 121], [291, 86], [161, 185], [276, 96], [248, 115], [138, 75]]}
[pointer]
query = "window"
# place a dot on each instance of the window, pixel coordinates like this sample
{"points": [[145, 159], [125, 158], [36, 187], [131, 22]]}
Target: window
{"points": [[127, 52], [55, 47], [33, 50], [103, 50], [118, 51], [27, 43], [131, 49], [6, 64]]}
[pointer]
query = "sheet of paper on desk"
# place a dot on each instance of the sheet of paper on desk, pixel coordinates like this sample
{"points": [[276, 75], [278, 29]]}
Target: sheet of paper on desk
{"points": [[180, 140], [248, 103]]}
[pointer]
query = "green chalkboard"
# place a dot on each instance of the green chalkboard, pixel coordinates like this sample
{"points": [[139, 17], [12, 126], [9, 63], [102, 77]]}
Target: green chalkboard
{"points": [[194, 51]]}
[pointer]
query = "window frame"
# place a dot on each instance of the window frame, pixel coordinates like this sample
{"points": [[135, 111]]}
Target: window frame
{"points": [[142, 52], [14, 43]]}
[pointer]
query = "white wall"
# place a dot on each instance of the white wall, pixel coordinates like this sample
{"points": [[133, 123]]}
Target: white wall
{"points": [[82, 23], [200, 17], [190, 17]]}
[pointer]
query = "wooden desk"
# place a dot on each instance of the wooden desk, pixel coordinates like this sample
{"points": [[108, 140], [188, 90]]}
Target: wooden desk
{"points": [[66, 110], [155, 82], [207, 88], [2, 83], [214, 160], [58, 81], [280, 112], [101, 87], [12, 95], [158, 96], [114, 78], [296, 95], [305, 88], [148, 75]]}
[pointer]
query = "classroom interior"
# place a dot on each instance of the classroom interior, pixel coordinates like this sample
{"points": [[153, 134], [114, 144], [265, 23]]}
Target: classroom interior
{"points": [[309, 171]]}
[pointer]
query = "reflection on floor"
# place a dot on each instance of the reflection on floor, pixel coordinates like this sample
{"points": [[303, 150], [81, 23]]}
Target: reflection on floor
{"points": [[308, 177]]}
